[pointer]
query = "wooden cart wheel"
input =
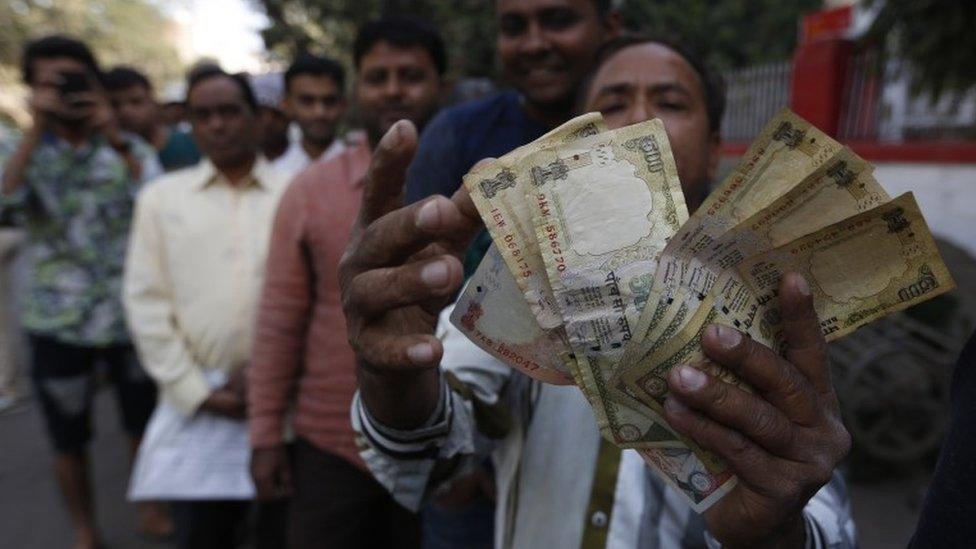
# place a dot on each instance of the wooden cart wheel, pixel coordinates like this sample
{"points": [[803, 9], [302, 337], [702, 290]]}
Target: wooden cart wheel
{"points": [[895, 404]]}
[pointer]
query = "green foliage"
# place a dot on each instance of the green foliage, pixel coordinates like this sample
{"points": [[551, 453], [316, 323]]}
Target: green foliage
{"points": [[936, 38], [729, 33], [329, 27], [119, 31]]}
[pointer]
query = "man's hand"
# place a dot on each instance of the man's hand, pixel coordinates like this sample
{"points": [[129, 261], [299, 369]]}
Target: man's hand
{"points": [[401, 268], [44, 102], [271, 472], [231, 399], [226, 402], [783, 442]]}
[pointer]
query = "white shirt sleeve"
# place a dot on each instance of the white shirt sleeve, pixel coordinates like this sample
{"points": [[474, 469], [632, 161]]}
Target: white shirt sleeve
{"points": [[402, 461], [151, 313]]}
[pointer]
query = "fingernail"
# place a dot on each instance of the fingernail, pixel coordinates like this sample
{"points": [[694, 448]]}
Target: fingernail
{"points": [[429, 216], [801, 285], [691, 378], [672, 405], [392, 136], [435, 274], [726, 336], [421, 353]]}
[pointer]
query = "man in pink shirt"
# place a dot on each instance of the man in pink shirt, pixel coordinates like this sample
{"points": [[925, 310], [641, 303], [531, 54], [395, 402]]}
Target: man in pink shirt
{"points": [[303, 370]]}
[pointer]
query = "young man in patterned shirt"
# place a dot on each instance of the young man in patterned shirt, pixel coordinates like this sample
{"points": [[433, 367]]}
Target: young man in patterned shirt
{"points": [[71, 183]]}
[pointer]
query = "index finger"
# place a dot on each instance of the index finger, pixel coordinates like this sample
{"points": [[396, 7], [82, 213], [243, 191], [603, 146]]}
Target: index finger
{"points": [[383, 183], [391, 239], [806, 347]]}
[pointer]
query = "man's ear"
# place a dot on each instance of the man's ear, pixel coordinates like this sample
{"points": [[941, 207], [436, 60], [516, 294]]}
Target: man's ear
{"points": [[714, 154]]}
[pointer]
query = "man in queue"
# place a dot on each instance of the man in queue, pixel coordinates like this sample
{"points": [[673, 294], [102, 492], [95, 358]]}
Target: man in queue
{"points": [[557, 487], [193, 276], [303, 368]]}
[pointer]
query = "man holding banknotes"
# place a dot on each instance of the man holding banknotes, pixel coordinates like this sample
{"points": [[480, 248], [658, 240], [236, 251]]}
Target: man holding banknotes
{"points": [[430, 399]]}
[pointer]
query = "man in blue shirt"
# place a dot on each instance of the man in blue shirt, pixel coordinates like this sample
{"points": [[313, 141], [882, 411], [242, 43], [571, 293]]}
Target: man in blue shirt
{"points": [[546, 49]]}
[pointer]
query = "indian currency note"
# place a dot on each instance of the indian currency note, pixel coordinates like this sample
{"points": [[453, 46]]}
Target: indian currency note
{"points": [[838, 189], [493, 314], [785, 153], [859, 269], [541, 351], [498, 192], [689, 476], [648, 379], [604, 208]]}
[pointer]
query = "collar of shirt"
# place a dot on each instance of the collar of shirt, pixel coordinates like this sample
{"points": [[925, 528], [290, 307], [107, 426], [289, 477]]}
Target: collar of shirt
{"points": [[207, 174], [296, 152]]}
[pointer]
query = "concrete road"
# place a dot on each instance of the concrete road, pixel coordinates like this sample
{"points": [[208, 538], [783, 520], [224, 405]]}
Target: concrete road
{"points": [[31, 516]]}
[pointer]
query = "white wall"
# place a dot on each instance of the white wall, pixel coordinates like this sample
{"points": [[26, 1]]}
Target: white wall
{"points": [[946, 194]]}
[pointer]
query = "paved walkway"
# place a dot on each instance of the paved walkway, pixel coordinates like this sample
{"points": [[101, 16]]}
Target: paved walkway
{"points": [[31, 516]]}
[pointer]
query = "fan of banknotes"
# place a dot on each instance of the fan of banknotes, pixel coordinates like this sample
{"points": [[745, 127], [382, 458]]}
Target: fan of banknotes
{"points": [[598, 277]]}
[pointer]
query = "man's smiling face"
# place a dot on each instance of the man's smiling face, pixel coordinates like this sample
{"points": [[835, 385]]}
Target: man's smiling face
{"points": [[546, 47]]}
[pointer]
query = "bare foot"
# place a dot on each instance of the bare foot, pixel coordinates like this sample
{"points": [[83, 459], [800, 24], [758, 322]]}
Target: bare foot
{"points": [[154, 520]]}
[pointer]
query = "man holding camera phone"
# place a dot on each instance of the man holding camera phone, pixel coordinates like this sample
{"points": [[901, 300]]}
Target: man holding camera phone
{"points": [[71, 183]]}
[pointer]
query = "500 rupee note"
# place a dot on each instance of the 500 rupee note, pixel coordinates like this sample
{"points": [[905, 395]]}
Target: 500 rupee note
{"points": [[836, 190], [858, 269], [604, 208], [786, 152], [689, 476], [492, 313], [498, 192]]}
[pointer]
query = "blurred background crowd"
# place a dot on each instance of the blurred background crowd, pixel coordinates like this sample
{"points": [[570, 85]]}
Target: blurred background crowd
{"points": [[891, 78]]}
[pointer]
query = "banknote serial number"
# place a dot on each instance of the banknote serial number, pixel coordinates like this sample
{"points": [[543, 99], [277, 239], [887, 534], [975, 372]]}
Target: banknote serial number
{"points": [[552, 234]]}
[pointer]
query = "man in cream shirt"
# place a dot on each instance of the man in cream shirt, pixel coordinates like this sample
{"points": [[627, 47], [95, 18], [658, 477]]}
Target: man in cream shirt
{"points": [[193, 276]]}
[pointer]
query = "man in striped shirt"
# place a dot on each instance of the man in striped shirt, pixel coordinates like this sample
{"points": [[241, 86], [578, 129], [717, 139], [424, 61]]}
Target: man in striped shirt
{"points": [[426, 392]]}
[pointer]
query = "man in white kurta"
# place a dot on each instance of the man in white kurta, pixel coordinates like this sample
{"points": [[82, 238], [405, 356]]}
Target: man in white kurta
{"points": [[193, 275]]}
